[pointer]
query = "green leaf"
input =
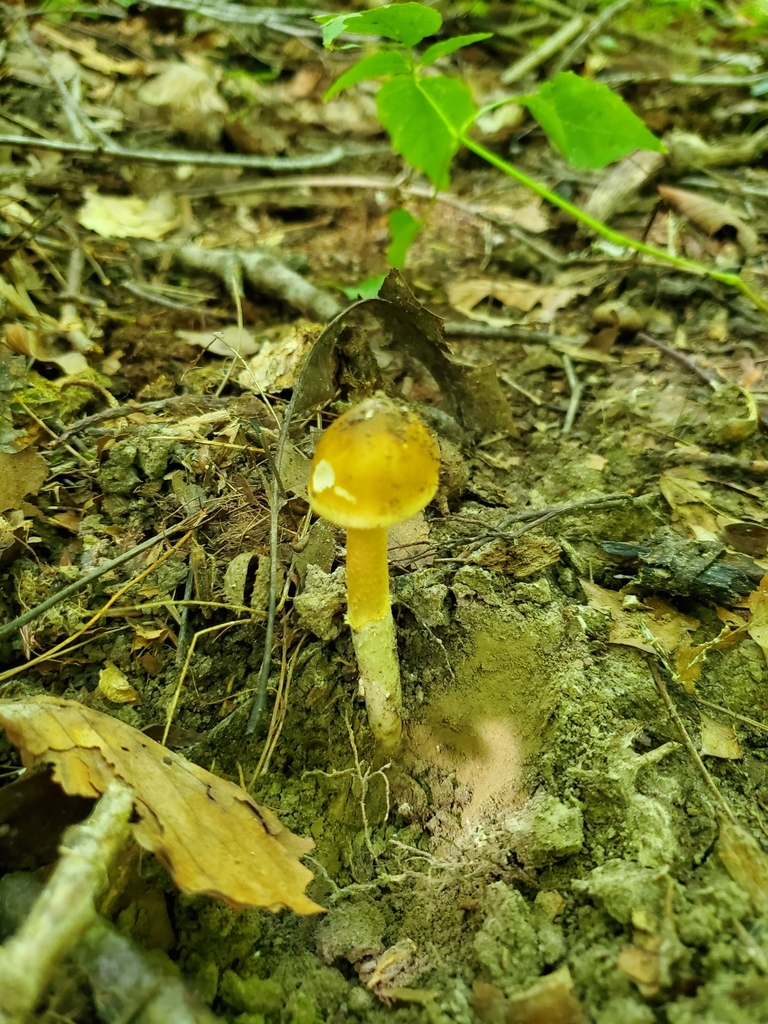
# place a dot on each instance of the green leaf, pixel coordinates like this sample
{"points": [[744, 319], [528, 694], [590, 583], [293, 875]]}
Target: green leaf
{"points": [[589, 124], [404, 23], [437, 50], [424, 119], [376, 65], [367, 289], [403, 227]]}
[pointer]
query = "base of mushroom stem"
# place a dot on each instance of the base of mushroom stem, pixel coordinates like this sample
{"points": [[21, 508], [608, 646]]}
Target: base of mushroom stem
{"points": [[376, 650]]}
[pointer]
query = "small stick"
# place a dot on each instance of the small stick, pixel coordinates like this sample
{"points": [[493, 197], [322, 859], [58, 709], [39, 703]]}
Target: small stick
{"points": [[690, 364], [674, 714], [566, 57], [548, 49], [64, 910], [179, 156], [577, 390]]}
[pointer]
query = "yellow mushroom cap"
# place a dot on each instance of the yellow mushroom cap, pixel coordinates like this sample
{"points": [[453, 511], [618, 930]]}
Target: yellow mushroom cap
{"points": [[375, 466]]}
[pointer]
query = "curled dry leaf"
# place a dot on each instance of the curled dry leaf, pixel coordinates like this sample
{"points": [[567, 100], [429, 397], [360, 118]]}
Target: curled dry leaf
{"points": [[208, 832], [711, 215], [520, 294], [114, 686]]}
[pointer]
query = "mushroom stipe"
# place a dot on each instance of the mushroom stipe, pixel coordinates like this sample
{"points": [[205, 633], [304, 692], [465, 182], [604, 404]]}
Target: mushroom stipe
{"points": [[375, 466]]}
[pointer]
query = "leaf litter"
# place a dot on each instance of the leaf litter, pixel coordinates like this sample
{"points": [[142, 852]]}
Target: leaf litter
{"points": [[540, 754]]}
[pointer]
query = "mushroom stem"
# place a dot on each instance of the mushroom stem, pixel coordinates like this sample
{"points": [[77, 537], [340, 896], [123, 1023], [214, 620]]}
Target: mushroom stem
{"points": [[367, 575], [373, 632]]}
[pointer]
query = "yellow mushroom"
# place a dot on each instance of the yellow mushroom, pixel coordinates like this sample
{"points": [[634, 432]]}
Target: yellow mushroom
{"points": [[375, 466]]}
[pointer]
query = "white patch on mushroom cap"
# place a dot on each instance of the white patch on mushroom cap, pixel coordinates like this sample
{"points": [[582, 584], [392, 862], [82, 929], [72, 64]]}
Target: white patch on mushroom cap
{"points": [[341, 492], [323, 476]]}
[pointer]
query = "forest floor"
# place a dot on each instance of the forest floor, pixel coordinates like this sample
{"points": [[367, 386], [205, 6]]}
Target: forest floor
{"points": [[575, 826]]}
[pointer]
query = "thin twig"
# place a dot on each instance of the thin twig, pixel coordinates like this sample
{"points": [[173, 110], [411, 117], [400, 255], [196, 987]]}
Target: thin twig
{"points": [[119, 411], [577, 390], [710, 376], [674, 714], [180, 156], [596, 24], [551, 45]]}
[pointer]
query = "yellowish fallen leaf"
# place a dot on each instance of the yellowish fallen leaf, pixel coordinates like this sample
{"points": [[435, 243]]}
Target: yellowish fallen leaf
{"points": [[114, 686], [757, 627], [632, 626], [517, 293], [20, 474], [228, 341], [718, 740], [208, 832], [129, 216], [744, 861]]}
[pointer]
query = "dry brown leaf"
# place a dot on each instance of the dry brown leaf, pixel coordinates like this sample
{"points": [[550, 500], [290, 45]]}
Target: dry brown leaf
{"points": [[208, 832], [718, 740], [631, 627], [20, 474], [711, 215], [129, 216], [114, 686], [520, 294], [757, 627], [226, 341], [689, 659], [278, 363], [744, 861]]}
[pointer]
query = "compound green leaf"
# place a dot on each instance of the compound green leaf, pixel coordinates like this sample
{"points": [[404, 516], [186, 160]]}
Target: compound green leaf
{"points": [[442, 49], [589, 124], [421, 130], [403, 227], [404, 23], [376, 65], [452, 99]]}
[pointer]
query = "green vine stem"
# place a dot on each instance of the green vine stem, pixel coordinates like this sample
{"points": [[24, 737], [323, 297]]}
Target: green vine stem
{"points": [[690, 266]]}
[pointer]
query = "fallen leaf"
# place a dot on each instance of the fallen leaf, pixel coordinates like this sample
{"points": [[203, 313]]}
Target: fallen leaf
{"points": [[711, 215], [718, 740], [114, 686], [596, 462], [190, 98], [208, 832], [227, 341], [689, 658], [757, 627], [632, 626], [549, 1000], [129, 216], [523, 295], [20, 474], [744, 861], [277, 365]]}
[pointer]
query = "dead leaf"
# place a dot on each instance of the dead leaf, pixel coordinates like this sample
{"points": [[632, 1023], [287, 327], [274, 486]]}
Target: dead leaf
{"points": [[631, 626], [757, 627], [277, 364], [114, 686], [689, 659], [226, 341], [129, 216], [20, 474], [190, 99], [523, 295], [711, 215], [744, 861], [208, 832], [549, 1000], [23, 341], [718, 740]]}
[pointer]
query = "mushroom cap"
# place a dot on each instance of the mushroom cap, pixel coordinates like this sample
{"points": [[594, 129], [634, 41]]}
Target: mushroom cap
{"points": [[376, 465]]}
